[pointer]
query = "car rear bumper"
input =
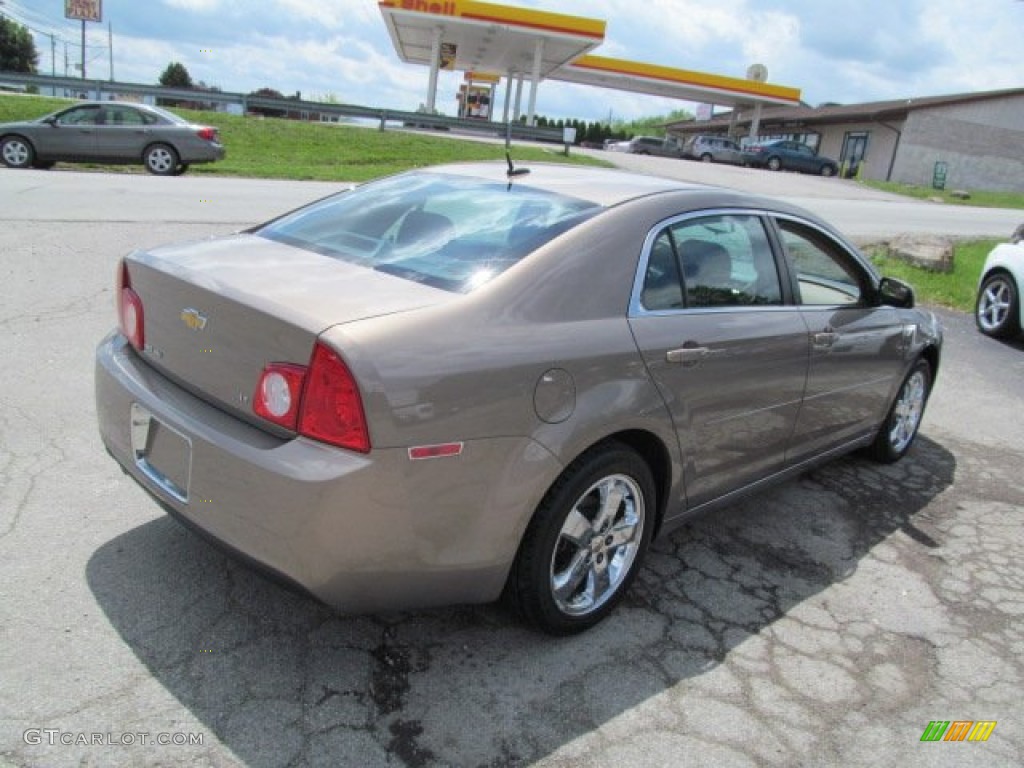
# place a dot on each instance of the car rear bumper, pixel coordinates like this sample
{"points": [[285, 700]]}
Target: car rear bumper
{"points": [[360, 532], [203, 153]]}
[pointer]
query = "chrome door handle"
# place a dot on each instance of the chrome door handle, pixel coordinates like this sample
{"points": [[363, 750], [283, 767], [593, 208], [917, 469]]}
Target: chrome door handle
{"points": [[687, 355], [825, 339]]}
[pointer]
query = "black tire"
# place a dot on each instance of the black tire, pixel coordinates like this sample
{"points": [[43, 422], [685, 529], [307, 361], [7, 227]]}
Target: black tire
{"points": [[997, 308], [899, 429], [599, 558], [160, 159], [828, 170], [774, 164], [17, 152], [706, 158]]}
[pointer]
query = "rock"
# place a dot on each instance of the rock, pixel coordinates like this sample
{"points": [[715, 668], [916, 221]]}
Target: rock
{"points": [[931, 252], [960, 194], [936, 200]]}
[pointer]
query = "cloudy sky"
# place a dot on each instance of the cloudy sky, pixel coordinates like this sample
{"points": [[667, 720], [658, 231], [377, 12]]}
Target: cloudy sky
{"points": [[833, 50]]}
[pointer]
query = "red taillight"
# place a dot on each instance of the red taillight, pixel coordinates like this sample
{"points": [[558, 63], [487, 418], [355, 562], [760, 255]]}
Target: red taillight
{"points": [[321, 402], [332, 408], [207, 134], [130, 316], [279, 393]]}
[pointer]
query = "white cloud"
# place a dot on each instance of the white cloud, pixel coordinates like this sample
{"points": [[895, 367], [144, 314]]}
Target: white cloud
{"points": [[200, 6], [832, 50]]}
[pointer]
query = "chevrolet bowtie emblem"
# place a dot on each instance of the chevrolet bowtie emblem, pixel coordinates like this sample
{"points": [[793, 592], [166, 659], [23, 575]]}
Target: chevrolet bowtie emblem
{"points": [[193, 319]]}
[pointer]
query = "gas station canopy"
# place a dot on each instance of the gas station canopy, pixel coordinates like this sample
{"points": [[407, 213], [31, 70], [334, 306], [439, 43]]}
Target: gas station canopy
{"points": [[488, 37], [525, 43], [673, 83]]}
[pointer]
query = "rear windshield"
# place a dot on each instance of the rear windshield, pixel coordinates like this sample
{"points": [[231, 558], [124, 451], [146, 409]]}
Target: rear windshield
{"points": [[442, 230]]}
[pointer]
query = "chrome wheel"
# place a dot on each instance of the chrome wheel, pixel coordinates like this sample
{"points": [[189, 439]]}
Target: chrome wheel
{"points": [[597, 545], [16, 152], [585, 542], [906, 415], [996, 310], [899, 429], [774, 164]]}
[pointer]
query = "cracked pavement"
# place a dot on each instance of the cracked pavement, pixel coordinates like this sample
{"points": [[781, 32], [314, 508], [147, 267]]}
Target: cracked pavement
{"points": [[826, 621]]}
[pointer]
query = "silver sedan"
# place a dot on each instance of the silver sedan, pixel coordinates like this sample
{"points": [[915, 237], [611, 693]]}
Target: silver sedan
{"points": [[110, 133], [470, 381]]}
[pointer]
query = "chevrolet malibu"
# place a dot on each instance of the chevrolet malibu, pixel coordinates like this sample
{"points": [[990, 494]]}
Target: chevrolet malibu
{"points": [[466, 382], [110, 132]]}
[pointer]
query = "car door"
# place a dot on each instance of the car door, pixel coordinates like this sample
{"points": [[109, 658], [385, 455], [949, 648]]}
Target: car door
{"points": [[121, 134], [856, 346], [72, 135], [729, 152], [727, 354], [804, 159]]}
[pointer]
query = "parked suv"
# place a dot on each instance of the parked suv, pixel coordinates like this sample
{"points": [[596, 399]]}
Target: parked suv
{"points": [[718, 149], [649, 145]]}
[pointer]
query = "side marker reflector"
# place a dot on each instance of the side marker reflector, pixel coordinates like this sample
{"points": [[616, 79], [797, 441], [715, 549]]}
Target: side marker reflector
{"points": [[435, 451]]}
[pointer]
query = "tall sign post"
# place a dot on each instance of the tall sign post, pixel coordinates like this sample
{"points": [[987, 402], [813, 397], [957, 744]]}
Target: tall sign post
{"points": [[83, 10]]}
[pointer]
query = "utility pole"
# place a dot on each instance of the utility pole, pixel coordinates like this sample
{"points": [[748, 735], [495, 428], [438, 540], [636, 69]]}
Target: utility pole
{"points": [[83, 49], [110, 45], [53, 62]]}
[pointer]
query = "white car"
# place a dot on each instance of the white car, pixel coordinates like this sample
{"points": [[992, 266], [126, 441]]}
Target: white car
{"points": [[998, 310]]}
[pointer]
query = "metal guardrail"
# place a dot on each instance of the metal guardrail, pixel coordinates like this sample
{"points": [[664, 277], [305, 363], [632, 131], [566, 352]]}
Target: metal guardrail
{"points": [[99, 89]]}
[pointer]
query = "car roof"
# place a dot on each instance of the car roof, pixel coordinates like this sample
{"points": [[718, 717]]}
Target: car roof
{"points": [[603, 186], [608, 187]]}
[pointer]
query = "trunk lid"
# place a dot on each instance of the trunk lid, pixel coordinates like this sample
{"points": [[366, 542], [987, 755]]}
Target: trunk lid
{"points": [[217, 311]]}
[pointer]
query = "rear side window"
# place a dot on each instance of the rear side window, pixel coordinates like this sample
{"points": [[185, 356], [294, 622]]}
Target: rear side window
{"points": [[723, 260], [727, 261], [447, 231]]}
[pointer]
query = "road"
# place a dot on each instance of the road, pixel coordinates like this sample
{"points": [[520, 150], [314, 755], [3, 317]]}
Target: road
{"points": [[859, 211], [825, 622]]}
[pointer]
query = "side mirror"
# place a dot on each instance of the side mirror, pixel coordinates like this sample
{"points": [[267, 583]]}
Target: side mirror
{"points": [[51, 121], [895, 293]]}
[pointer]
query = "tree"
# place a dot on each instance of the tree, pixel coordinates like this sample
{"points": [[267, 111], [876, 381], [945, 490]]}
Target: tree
{"points": [[268, 93], [17, 48], [176, 76]]}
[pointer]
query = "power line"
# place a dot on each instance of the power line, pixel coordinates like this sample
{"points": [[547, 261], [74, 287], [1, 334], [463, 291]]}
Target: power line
{"points": [[41, 26]]}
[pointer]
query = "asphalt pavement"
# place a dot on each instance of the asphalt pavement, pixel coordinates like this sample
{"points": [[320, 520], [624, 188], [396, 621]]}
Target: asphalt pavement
{"points": [[825, 622]]}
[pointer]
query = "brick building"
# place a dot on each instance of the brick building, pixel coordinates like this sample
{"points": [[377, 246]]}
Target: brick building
{"points": [[978, 136]]}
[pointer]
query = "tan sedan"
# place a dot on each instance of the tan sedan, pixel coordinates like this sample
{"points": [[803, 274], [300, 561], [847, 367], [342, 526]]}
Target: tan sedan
{"points": [[464, 382]]}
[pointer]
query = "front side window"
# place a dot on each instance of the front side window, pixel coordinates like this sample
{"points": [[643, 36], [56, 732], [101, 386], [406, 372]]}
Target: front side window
{"points": [[80, 116], [824, 271], [446, 231]]}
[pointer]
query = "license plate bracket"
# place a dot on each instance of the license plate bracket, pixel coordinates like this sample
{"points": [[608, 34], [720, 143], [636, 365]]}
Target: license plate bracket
{"points": [[161, 453]]}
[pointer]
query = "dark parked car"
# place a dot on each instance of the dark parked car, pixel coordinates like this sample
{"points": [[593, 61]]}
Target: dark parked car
{"points": [[713, 149], [786, 155], [466, 381], [651, 145], [111, 133]]}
